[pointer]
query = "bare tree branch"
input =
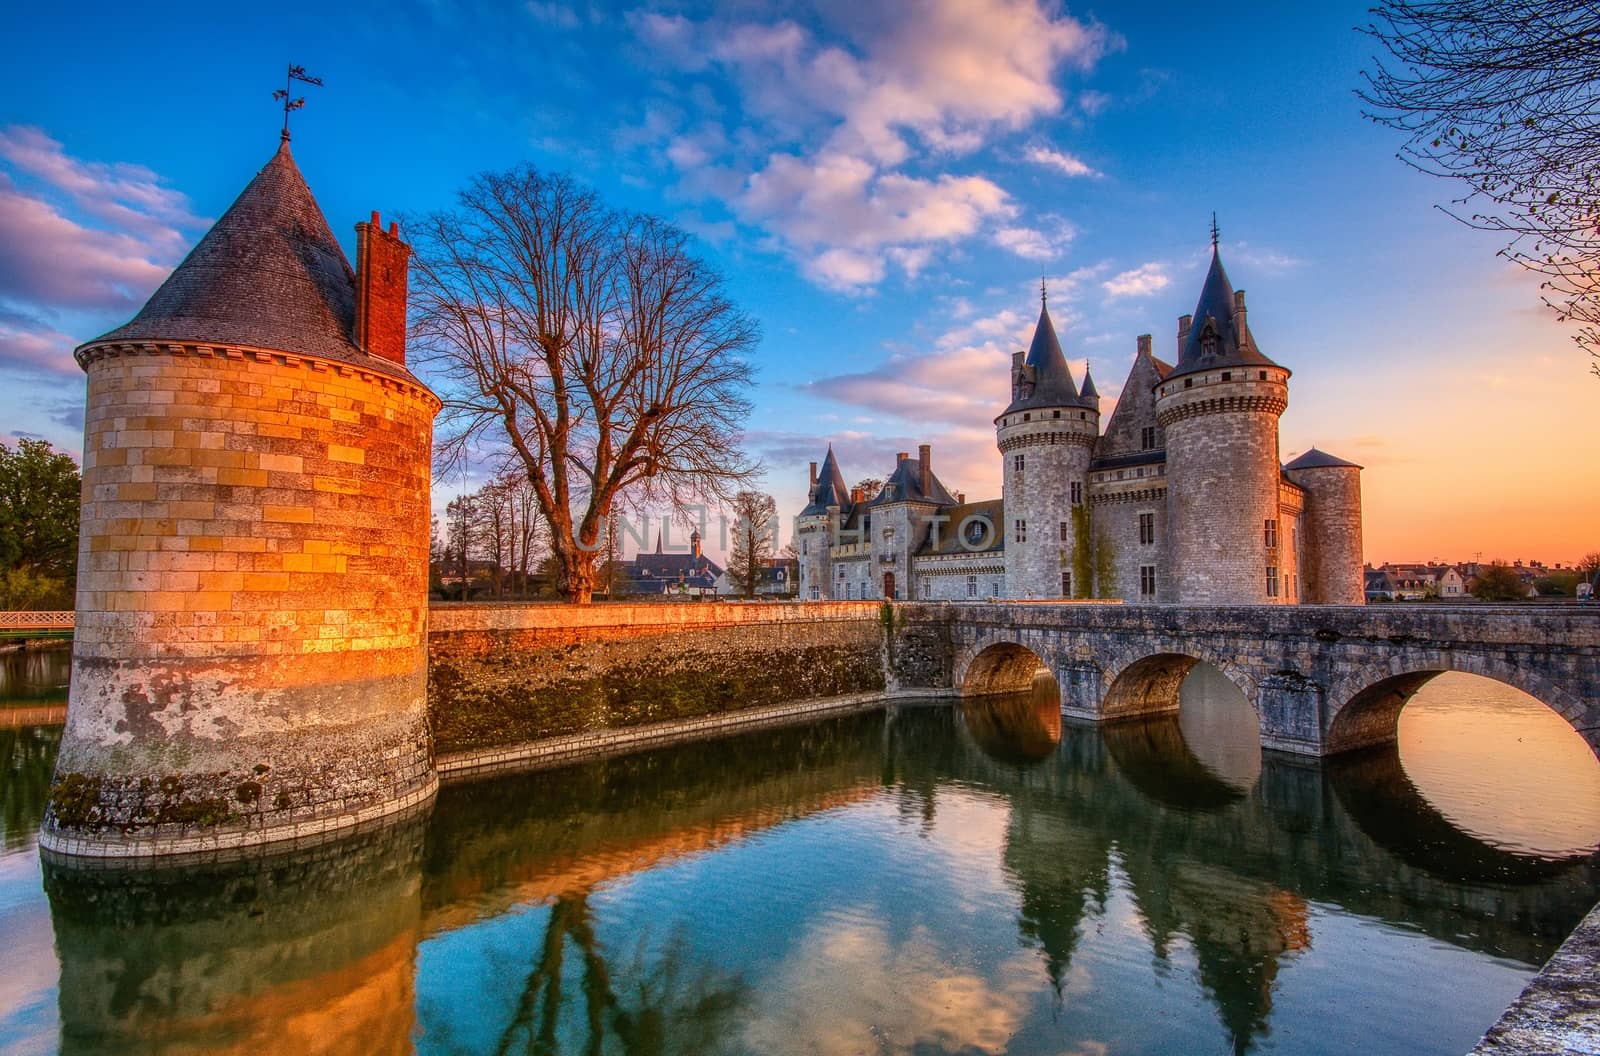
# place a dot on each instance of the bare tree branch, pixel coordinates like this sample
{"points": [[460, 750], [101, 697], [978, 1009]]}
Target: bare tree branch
{"points": [[1503, 96]]}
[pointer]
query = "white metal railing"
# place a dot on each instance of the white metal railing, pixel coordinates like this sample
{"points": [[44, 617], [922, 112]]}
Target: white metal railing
{"points": [[37, 621]]}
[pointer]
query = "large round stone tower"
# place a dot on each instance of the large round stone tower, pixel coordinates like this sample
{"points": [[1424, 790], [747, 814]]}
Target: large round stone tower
{"points": [[1333, 567], [249, 663], [1045, 436], [1219, 408]]}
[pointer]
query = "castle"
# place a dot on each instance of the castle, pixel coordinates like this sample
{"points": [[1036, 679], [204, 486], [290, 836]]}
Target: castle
{"points": [[1182, 499]]}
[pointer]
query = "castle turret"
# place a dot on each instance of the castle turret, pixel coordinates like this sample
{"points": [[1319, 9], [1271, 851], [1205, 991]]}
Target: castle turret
{"points": [[1045, 438], [1331, 564], [1218, 410], [249, 663], [817, 528]]}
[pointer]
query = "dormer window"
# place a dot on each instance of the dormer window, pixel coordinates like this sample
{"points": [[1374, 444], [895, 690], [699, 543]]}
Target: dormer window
{"points": [[1210, 341]]}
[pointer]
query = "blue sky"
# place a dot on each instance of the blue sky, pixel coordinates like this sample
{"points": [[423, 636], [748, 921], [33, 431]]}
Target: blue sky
{"points": [[884, 185]]}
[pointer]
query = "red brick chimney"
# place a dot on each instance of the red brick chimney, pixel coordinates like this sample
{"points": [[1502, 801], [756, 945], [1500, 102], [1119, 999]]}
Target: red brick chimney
{"points": [[382, 262], [925, 465]]}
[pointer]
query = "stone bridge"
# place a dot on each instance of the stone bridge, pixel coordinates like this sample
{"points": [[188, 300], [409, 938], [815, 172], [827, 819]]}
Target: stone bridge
{"points": [[1323, 679]]}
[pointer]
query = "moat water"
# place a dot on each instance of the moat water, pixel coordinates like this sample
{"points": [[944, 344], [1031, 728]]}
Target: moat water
{"points": [[930, 879]]}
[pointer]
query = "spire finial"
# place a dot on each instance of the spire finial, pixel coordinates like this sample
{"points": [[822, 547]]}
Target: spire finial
{"points": [[1044, 294], [1215, 233], [282, 95]]}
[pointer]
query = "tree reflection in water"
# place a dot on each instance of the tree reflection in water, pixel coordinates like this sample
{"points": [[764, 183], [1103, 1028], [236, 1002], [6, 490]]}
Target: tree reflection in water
{"points": [[663, 1008]]}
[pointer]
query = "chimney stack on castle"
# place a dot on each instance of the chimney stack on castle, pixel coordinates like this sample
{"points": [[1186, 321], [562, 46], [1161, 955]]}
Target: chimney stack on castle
{"points": [[382, 266], [925, 464]]}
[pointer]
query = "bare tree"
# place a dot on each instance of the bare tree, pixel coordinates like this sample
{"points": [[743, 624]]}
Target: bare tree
{"points": [[869, 487], [755, 542], [1501, 96], [462, 540], [590, 344]]}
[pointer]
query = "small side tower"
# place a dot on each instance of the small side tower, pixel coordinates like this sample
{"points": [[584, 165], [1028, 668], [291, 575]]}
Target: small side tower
{"points": [[1045, 437], [250, 660], [1331, 562], [817, 528], [1219, 410]]}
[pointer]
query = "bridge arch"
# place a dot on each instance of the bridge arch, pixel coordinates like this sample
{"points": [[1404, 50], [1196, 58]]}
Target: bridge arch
{"points": [[999, 665], [1364, 707], [1146, 683]]}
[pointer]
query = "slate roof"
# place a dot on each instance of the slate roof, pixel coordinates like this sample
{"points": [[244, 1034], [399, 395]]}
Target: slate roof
{"points": [[1051, 382], [1089, 394], [1216, 306], [269, 274], [831, 489], [1315, 459], [949, 540], [905, 485]]}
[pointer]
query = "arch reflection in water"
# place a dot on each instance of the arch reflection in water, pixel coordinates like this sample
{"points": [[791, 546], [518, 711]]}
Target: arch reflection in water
{"points": [[1020, 727], [1203, 758], [1501, 766], [306, 952]]}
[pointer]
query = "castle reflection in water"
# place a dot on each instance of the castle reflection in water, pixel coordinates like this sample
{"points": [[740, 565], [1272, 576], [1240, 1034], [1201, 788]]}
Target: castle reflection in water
{"points": [[973, 879]]}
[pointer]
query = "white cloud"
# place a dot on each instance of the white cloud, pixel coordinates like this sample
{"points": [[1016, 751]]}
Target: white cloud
{"points": [[1061, 161], [1137, 282], [1025, 242], [847, 219], [829, 117]]}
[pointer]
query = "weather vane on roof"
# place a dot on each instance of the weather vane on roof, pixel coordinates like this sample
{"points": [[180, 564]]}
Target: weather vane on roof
{"points": [[282, 95], [1215, 234]]}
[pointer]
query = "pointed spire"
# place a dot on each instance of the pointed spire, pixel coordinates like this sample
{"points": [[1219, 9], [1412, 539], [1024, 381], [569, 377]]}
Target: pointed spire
{"points": [[1089, 392], [831, 489], [269, 274], [1218, 335], [1215, 233], [1049, 380]]}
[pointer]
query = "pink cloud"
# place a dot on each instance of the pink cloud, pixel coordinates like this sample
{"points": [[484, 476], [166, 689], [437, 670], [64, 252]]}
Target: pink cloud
{"points": [[47, 259], [32, 348], [886, 86]]}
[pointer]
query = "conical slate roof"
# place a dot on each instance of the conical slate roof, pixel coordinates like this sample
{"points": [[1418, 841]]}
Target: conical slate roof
{"points": [[1090, 395], [831, 489], [1315, 459], [269, 274], [1051, 378], [1215, 310]]}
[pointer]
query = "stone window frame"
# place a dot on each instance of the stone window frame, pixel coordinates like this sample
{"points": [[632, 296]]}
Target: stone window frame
{"points": [[1066, 584], [1077, 493], [1147, 438], [1018, 463], [1147, 528], [1147, 581], [1272, 581], [1021, 530], [1269, 533], [972, 586]]}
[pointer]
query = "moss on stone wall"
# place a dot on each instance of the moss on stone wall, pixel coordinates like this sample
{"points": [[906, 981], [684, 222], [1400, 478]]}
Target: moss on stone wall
{"points": [[500, 692]]}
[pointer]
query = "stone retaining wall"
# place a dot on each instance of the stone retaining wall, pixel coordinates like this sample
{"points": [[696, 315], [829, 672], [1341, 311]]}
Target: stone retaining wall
{"points": [[502, 675]]}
